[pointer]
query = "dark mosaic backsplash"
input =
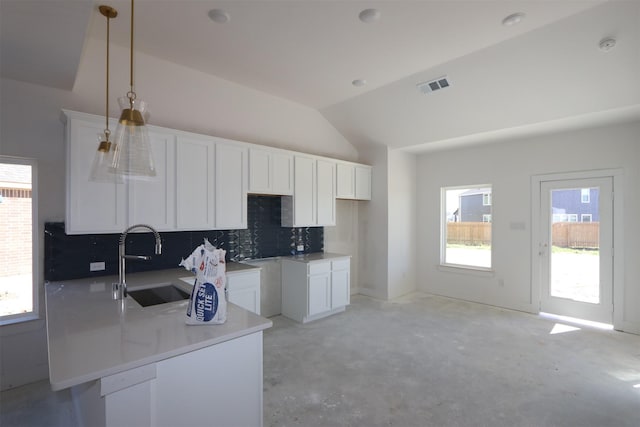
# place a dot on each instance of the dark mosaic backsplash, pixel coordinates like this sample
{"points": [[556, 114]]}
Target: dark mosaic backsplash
{"points": [[68, 256]]}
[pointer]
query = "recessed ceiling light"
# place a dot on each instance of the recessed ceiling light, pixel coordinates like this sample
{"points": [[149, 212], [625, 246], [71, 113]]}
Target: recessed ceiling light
{"points": [[220, 16], [513, 19], [369, 16], [359, 82], [607, 44]]}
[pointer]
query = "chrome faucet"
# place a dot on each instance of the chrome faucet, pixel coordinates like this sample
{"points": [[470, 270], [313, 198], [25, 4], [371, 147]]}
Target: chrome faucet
{"points": [[120, 288]]}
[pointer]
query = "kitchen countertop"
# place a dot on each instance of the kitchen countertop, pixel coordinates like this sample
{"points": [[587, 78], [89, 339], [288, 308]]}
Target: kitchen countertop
{"points": [[91, 336], [316, 256]]}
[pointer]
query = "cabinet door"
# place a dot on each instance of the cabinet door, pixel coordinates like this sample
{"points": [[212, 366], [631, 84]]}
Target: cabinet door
{"points": [[363, 183], [244, 290], [194, 184], [345, 181], [260, 171], [325, 193], [153, 202], [319, 293], [340, 288], [304, 200], [282, 168], [231, 187], [92, 207]]}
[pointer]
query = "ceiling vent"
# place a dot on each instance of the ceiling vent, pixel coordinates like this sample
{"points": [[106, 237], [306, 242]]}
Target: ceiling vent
{"points": [[434, 85]]}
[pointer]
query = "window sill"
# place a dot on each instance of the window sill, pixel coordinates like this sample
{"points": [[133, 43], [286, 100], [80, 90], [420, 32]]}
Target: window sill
{"points": [[465, 269], [12, 320]]}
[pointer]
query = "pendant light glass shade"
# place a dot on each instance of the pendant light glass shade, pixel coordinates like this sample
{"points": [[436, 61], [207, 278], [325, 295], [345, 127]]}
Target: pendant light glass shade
{"points": [[102, 161], [103, 158], [132, 155]]}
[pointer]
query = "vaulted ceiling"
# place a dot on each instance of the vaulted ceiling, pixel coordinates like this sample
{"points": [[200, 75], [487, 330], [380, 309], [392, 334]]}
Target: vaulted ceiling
{"points": [[544, 73]]}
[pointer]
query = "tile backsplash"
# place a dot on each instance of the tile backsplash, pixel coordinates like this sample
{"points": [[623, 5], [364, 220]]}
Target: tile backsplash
{"points": [[68, 256]]}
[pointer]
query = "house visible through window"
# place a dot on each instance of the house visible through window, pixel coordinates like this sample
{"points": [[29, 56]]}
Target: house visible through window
{"points": [[466, 226], [18, 296]]}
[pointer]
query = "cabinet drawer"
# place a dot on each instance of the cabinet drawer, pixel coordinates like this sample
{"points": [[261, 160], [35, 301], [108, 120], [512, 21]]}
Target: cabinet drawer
{"points": [[243, 280], [342, 264], [319, 267]]}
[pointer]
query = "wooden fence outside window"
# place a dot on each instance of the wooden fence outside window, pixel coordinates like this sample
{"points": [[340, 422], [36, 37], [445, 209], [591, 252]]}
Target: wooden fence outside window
{"points": [[576, 235]]}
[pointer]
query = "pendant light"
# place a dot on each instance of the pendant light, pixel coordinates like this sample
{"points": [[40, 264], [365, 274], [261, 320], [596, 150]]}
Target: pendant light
{"points": [[103, 158], [132, 157]]}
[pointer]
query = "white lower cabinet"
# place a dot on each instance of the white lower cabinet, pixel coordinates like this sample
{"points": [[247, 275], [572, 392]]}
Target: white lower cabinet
{"points": [[315, 289], [243, 289], [220, 385]]}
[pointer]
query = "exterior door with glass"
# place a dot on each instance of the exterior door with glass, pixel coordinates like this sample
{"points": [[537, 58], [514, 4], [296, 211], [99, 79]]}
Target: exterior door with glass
{"points": [[576, 248]]}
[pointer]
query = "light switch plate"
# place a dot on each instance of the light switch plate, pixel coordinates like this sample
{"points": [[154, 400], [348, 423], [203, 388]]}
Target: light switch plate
{"points": [[96, 266]]}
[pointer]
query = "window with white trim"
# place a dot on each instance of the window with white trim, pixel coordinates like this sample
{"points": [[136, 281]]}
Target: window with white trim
{"points": [[19, 231], [585, 195], [466, 234], [586, 218]]}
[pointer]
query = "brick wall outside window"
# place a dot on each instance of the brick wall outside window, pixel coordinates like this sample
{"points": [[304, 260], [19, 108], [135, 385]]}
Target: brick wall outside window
{"points": [[15, 232]]}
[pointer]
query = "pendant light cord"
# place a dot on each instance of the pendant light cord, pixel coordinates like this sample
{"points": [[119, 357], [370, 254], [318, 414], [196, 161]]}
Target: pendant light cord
{"points": [[107, 132], [131, 94]]}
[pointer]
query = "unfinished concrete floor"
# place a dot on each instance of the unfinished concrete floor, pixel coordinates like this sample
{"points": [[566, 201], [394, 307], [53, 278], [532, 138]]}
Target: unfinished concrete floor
{"points": [[421, 361], [430, 361]]}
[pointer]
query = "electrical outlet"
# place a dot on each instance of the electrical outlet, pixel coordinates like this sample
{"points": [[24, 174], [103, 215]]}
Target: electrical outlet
{"points": [[300, 248], [96, 266]]}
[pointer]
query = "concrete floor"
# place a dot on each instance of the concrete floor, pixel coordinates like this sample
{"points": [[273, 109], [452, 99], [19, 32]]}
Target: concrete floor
{"points": [[422, 361]]}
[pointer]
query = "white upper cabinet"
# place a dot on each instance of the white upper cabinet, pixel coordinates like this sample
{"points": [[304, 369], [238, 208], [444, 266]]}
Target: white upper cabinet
{"points": [[195, 198], [211, 184], [300, 210], [202, 183], [345, 181], [325, 192], [363, 182], [270, 172], [313, 203], [153, 201], [92, 207], [230, 186], [353, 181]]}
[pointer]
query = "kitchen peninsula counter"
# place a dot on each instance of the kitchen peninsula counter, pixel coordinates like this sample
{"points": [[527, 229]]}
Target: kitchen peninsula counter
{"points": [[123, 353]]}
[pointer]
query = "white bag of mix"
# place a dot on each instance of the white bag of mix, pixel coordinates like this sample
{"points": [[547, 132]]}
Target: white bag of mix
{"points": [[208, 304]]}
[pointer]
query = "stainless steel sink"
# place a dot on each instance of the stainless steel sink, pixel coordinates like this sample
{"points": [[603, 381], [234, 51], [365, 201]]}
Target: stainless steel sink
{"points": [[158, 295]]}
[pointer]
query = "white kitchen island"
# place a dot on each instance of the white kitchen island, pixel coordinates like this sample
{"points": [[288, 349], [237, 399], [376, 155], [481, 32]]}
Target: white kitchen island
{"points": [[129, 365]]}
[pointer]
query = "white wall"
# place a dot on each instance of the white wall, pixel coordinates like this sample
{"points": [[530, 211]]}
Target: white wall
{"points": [[373, 227], [344, 237], [387, 225], [187, 99], [402, 224], [509, 167], [180, 98]]}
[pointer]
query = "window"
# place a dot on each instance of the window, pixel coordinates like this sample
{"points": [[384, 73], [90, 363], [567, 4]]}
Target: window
{"points": [[466, 227], [586, 218], [572, 217], [19, 231], [585, 195]]}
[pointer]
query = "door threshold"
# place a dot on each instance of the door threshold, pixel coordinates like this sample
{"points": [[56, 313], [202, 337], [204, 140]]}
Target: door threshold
{"points": [[574, 320]]}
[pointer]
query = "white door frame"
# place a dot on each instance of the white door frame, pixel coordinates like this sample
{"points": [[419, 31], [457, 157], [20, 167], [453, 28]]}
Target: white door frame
{"points": [[618, 236]]}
